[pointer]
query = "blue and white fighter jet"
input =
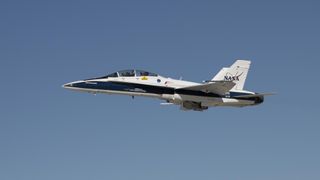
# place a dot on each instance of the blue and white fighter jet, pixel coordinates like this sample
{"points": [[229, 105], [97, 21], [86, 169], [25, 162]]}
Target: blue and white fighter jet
{"points": [[225, 89]]}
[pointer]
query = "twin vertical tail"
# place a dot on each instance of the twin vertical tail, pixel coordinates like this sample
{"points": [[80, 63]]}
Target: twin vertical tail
{"points": [[237, 73]]}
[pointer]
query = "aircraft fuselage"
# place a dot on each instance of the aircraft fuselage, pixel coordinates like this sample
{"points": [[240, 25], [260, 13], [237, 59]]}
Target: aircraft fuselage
{"points": [[170, 90]]}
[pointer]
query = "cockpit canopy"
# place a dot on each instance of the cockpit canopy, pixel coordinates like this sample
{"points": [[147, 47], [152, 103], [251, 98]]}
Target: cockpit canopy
{"points": [[130, 73]]}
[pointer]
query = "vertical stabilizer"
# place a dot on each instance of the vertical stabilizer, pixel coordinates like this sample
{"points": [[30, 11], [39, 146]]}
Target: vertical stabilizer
{"points": [[237, 73]]}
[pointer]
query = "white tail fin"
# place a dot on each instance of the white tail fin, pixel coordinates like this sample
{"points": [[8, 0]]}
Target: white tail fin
{"points": [[237, 73]]}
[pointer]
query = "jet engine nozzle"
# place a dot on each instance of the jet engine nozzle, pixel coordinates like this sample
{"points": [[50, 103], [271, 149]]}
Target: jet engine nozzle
{"points": [[259, 100]]}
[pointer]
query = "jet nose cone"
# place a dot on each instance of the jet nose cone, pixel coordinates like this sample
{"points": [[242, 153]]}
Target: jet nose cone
{"points": [[67, 85], [73, 85]]}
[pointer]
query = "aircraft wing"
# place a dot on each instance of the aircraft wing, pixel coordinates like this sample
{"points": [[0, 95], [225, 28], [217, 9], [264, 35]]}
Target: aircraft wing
{"points": [[217, 87]]}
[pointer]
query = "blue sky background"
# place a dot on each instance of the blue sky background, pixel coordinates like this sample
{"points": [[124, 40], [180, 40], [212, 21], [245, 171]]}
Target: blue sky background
{"points": [[47, 132]]}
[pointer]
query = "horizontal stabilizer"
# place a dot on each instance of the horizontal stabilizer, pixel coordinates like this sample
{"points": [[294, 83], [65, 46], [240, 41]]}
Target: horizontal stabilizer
{"points": [[254, 95], [218, 87]]}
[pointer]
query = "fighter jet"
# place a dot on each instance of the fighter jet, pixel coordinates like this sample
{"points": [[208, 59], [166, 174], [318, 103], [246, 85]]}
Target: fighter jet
{"points": [[224, 89]]}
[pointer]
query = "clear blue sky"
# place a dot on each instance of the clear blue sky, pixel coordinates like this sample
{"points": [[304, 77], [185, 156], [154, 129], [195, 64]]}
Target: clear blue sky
{"points": [[47, 132]]}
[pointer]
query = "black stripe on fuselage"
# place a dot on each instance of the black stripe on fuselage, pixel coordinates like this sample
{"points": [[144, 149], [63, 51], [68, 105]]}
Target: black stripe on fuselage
{"points": [[167, 90], [124, 87]]}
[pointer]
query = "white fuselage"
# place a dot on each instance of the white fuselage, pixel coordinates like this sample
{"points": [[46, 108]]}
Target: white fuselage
{"points": [[224, 89], [158, 87]]}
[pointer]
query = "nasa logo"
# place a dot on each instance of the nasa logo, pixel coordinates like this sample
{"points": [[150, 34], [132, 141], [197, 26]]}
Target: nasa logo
{"points": [[231, 77]]}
